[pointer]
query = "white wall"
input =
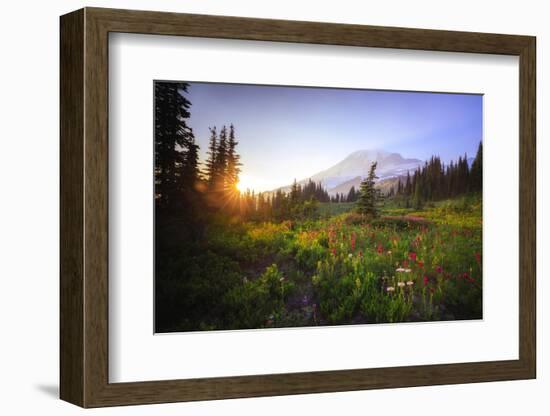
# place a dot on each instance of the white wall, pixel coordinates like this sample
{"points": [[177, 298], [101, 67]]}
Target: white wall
{"points": [[29, 209]]}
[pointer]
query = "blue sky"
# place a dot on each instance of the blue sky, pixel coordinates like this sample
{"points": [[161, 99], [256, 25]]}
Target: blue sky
{"points": [[294, 132]]}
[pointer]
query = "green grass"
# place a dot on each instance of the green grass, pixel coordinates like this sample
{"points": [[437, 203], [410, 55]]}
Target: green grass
{"points": [[329, 209], [408, 265]]}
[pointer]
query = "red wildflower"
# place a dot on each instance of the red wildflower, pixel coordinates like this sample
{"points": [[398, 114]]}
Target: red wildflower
{"points": [[380, 249], [478, 257], [426, 280], [333, 250], [412, 256], [353, 241], [438, 269], [420, 263]]}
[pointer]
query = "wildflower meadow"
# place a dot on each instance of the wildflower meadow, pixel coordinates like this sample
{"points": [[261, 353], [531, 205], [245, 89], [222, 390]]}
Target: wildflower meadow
{"points": [[361, 235]]}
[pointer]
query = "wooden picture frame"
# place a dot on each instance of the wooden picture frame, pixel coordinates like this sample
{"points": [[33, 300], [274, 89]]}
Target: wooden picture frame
{"points": [[84, 207]]}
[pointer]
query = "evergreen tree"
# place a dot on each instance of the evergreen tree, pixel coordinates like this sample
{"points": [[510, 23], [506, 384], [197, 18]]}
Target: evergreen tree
{"points": [[233, 161], [188, 169], [221, 162], [476, 177], [399, 187], [176, 153], [464, 175], [418, 197], [212, 157], [352, 195], [408, 185], [367, 202], [313, 190], [294, 193]]}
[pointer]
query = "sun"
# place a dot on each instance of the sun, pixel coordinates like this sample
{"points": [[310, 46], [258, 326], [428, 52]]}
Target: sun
{"points": [[257, 184], [240, 186], [247, 183]]}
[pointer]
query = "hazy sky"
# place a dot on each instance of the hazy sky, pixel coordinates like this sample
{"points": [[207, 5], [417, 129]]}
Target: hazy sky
{"points": [[295, 132]]}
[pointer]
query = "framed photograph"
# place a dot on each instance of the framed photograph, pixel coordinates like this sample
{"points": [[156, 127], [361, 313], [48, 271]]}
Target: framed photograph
{"points": [[255, 207]]}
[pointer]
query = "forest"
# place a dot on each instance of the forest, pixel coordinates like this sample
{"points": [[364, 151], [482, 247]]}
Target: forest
{"points": [[228, 258]]}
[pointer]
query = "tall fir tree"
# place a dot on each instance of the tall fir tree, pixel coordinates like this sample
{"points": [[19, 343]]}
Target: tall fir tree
{"points": [[367, 202], [476, 172], [176, 153], [188, 170], [233, 161], [352, 195], [221, 162], [294, 193], [212, 157]]}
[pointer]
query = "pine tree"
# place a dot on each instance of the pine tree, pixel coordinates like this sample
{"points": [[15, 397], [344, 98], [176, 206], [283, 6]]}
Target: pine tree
{"points": [[189, 170], [418, 194], [408, 185], [367, 202], [233, 161], [476, 176], [176, 153], [294, 193], [352, 196], [221, 162], [212, 157]]}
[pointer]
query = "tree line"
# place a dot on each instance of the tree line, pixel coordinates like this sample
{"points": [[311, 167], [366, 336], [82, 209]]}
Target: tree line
{"points": [[351, 196], [300, 201], [434, 181]]}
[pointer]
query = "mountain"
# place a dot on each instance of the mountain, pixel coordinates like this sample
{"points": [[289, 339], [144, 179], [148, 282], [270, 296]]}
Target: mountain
{"points": [[355, 167]]}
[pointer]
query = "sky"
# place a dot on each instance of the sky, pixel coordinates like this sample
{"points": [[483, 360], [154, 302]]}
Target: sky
{"points": [[288, 133]]}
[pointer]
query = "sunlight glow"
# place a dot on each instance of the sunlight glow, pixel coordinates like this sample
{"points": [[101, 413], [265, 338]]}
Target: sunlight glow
{"points": [[240, 186], [255, 183]]}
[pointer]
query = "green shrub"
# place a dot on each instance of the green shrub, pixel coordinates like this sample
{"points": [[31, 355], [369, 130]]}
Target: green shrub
{"points": [[257, 302]]}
